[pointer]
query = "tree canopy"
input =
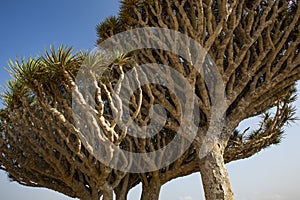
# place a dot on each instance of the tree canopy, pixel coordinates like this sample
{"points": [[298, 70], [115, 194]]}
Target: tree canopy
{"points": [[255, 48]]}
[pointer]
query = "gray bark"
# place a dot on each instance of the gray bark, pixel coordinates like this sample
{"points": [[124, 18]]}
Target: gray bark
{"points": [[214, 175], [108, 195], [151, 191]]}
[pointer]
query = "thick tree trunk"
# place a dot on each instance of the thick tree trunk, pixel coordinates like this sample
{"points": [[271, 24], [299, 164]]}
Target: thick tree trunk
{"points": [[122, 190], [214, 175], [151, 191], [121, 196], [91, 195], [108, 195]]}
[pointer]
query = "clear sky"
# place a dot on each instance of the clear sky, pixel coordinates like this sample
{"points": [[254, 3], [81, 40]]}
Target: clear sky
{"points": [[28, 27]]}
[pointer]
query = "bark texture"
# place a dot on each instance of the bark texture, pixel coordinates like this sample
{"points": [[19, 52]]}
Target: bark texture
{"points": [[214, 176], [151, 191]]}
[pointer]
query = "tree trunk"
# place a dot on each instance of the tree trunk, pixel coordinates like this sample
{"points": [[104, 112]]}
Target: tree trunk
{"points": [[108, 195], [122, 190], [91, 195], [151, 191], [121, 196], [214, 175]]}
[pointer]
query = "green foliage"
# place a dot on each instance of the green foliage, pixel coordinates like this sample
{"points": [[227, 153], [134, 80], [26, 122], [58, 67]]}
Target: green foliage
{"points": [[110, 26], [272, 124], [28, 76]]}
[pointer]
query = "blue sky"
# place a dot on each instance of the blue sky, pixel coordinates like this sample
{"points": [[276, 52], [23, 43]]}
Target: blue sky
{"points": [[28, 27]]}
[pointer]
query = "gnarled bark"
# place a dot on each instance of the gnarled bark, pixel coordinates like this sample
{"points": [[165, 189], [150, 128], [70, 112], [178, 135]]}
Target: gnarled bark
{"points": [[214, 175], [151, 191]]}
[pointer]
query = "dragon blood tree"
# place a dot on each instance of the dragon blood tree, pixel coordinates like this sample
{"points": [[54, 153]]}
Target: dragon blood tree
{"points": [[170, 72]]}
